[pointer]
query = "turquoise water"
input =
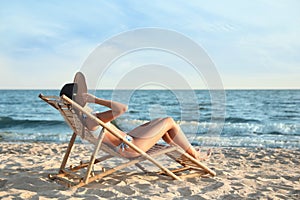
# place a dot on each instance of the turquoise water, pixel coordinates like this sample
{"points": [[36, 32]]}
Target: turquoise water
{"points": [[255, 118]]}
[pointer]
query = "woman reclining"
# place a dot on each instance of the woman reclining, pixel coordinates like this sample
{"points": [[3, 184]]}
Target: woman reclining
{"points": [[144, 136]]}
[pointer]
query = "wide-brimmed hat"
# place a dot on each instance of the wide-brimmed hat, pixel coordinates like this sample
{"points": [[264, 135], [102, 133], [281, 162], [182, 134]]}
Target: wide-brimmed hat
{"points": [[79, 80]]}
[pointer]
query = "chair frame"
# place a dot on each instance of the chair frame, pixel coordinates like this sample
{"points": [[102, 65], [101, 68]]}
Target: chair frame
{"points": [[66, 107]]}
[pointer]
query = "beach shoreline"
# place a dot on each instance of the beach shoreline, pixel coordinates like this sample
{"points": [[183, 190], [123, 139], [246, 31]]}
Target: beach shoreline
{"points": [[251, 173]]}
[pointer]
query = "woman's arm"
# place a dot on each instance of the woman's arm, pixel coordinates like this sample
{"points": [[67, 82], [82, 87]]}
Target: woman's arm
{"points": [[117, 108]]}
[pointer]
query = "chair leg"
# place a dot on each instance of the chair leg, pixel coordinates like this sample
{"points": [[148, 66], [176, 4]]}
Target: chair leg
{"points": [[64, 162], [93, 157]]}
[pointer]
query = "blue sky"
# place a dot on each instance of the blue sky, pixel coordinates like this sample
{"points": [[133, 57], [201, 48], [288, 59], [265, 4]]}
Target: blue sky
{"points": [[253, 44]]}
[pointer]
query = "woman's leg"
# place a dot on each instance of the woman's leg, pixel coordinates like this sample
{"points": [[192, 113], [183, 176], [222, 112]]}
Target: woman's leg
{"points": [[147, 135]]}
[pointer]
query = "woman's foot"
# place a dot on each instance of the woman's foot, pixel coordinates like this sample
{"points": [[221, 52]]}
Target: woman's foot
{"points": [[200, 156]]}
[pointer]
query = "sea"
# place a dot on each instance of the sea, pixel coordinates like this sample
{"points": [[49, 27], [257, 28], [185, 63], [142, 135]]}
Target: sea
{"points": [[250, 118]]}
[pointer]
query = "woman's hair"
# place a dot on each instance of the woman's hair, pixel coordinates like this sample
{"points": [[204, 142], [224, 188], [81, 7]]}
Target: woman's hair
{"points": [[69, 89]]}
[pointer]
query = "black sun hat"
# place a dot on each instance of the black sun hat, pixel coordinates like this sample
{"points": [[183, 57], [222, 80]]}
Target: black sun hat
{"points": [[69, 89], [75, 90]]}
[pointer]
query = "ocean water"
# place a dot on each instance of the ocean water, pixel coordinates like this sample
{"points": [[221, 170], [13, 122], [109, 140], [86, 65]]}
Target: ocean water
{"points": [[253, 118]]}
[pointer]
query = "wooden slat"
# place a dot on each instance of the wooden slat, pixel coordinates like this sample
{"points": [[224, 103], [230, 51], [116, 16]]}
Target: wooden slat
{"points": [[71, 174]]}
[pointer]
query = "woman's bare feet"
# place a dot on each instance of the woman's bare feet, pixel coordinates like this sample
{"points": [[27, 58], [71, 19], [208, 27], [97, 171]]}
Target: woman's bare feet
{"points": [[202, 157]]}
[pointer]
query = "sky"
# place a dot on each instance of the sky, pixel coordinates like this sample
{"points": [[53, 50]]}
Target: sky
{"points": [[253, 44]]}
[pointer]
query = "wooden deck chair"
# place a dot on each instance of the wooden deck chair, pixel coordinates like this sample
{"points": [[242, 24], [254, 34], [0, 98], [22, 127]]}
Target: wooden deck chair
{"points": [[70, 176]]}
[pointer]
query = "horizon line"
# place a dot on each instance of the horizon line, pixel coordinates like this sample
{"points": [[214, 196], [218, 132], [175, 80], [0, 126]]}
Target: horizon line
{"points": [[158, 89]]}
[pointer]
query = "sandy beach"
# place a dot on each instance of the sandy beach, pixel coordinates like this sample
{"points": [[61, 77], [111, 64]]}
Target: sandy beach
{"points": [[242, 173]]}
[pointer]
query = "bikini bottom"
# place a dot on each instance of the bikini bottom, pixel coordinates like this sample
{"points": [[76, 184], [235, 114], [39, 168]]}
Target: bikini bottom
{"points": [[123, 146]]}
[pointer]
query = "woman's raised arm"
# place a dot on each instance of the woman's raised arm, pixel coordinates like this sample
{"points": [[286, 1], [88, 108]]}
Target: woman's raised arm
{"points": [[117, 108]]}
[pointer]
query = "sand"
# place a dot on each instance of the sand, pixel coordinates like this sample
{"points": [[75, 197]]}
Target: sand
{"points": [[242, 173]]}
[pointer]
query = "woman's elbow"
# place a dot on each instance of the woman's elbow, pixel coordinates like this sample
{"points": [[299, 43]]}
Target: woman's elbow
{"points": [[124, 109]]}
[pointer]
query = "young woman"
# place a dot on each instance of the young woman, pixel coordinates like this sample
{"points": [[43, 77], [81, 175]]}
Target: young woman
{"points": [[144, 136]]}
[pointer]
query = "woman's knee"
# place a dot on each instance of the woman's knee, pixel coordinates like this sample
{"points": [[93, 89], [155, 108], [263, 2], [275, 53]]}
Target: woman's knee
{"points": [[169, 120], [165, 120]]}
